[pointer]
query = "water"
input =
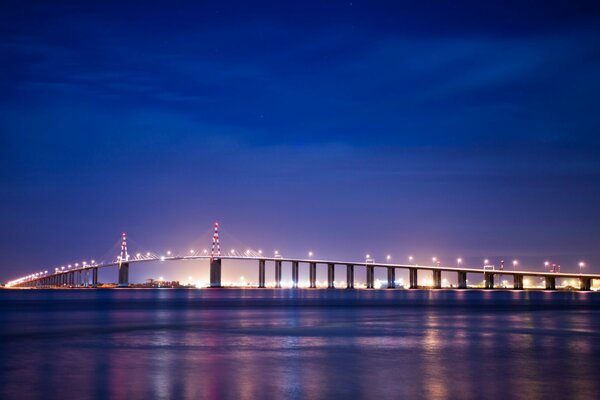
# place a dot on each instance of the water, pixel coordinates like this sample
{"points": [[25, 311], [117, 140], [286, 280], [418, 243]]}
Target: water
{"points": [[313, 344]]}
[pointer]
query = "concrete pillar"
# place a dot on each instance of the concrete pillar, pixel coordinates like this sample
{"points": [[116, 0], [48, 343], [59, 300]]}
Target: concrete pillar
{"points": [[95, 277], [261, 273], [370, 277], [462, 280], [518, 282], [413, 278], [550, 282], [330, 275], [123, 275], [277, 273], [215, 273], [350, 276], [489, 280], [86, 273], [437, 279], [585, 284], [312, 274], [391, 278], [295, 274]]}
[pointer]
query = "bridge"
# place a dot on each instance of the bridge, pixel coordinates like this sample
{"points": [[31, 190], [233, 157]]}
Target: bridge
{"points": [[86, 274]]}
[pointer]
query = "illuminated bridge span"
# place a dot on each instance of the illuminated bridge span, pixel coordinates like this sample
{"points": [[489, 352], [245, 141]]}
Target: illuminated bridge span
{"points": [[86, 274]]}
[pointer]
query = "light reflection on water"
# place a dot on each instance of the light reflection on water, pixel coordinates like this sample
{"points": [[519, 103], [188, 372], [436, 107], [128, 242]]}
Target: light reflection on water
{"points": [[317, 344]]}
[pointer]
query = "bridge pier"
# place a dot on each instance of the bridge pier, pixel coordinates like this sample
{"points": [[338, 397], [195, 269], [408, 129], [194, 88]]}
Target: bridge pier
{"points": [[462, 280], [550, 282], [295, 274], [261, 273], [87, 278], [95, 277], [312, 274], [330, 276], [370, 277], [585, 284], [215, 273], [518, 282], [437, 279], [391, 278], [489, 280], [278, 274], [413, 278], [123, 275], [349, 276]]}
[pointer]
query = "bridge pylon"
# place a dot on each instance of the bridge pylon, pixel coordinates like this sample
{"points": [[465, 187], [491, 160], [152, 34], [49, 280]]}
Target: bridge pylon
{"points": [[215, 260], [123, 263]]}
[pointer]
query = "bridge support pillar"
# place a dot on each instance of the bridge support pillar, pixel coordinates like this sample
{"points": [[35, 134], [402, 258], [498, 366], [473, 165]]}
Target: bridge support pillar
{"points": [[489, 280], [413, 278], [391, 278], [350, 276], [312, 274], [261, 273], [330, 276], [87, 277], [215, 273], [550, 282], [123, 275], [295, 274], [278, 273], [462, 280], [94, 277], [585, 284], [370, 277], [437, 279], [518, 282]]}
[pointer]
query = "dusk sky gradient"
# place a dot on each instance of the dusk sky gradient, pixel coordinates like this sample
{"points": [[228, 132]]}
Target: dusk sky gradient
{"points": [[345, 127]]}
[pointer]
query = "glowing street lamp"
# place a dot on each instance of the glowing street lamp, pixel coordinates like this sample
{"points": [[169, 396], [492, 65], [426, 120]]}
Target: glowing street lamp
{"points": [[458, 261], [581, 265], [388, 257], [410, 259], [310, 253], [168, 252], [192, 251], [515, 263]]}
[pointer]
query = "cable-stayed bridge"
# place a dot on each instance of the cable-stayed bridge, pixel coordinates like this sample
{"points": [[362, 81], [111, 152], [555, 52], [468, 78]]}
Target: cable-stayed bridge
{"points": [[85, 274]]}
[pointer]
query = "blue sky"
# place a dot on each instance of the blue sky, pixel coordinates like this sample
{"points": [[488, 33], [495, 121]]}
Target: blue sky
{"points": [[466, 129]]}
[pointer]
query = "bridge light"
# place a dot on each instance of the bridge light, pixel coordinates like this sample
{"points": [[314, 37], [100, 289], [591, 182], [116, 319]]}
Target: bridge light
{"points": [[93, 262], [310, 253], [486, 261], [259, 251], [388, 257], [546, 263], [248, 251], [138, 255], [169, 252], [205, 251], [162, 258], [410, 258], [62, 268], [459, 261], [192, 251], [276, 251], [515, 263], [434, 259], [148, 254]]}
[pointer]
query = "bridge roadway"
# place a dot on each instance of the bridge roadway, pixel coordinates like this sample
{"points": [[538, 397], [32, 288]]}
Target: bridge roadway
{"points": [[80, 277]]}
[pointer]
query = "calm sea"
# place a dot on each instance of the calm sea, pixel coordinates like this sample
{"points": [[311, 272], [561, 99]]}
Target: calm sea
{"points": [[308, 344]]}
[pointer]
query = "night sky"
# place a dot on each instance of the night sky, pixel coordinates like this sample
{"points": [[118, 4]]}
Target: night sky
{"points": [[343, 127]]}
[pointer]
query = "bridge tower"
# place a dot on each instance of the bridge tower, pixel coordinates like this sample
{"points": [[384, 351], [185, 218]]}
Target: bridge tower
{"points": [[124, 263], [215, 260]]}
